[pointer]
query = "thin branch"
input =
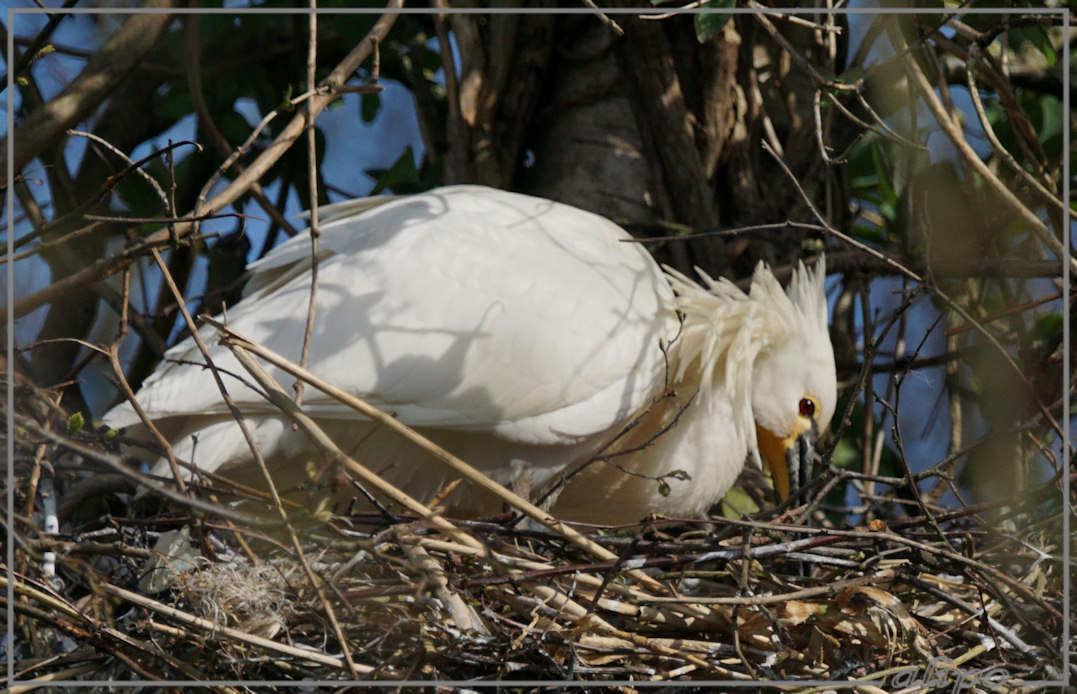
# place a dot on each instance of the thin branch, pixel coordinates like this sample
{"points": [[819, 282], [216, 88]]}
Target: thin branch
{"points": [[125, 387], [830, 229], [953, 305], [241, 636], [999, 149], [132, 166], [312, 192], [220, 143], [121, 54], [104, 267], [258, 458], [954, 133], [118, 466], [238, 343], [778, 598], [318, 102], [603, 17]]}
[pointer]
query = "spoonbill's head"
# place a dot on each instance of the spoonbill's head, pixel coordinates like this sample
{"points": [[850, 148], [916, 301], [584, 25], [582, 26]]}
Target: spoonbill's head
{"points": [[794, 384]]}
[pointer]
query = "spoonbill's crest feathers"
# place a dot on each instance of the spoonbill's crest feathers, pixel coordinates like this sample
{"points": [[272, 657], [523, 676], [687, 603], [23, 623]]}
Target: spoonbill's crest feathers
{"points": [[799, 362], [725, 332]]}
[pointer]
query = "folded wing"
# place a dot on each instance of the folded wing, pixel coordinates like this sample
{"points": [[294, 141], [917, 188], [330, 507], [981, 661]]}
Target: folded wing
{"points": [[465, 310]]}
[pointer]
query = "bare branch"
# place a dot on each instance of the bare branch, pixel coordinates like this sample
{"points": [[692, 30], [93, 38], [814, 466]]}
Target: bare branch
{"points": [[120, 55]]}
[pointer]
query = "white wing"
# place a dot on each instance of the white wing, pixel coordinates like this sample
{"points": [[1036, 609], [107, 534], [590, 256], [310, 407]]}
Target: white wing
{"points": [[465, 309]]}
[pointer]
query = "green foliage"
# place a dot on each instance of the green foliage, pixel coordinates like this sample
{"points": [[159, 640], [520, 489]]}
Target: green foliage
{"points": [[75, 423], [710, 24], [1032, 37], [1050, 123], [738, 503], [1047, 329], [139, 197], [869, 169], [403, 177]]}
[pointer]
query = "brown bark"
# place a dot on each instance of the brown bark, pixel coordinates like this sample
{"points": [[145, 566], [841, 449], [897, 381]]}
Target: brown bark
{"points": [[502, 65], [652, 129]]}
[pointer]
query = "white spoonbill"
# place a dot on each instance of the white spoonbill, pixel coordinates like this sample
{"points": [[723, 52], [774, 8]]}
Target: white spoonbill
{"points": [[524, 336]]}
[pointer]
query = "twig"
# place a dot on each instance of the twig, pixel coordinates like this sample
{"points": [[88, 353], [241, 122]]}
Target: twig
{"points": [[260, 461], [830, 229], [118, 466], [1003, 352], [819, 139], [462, 615], [137, 168], [312, 192], [125, 387], [45, 126], [953, 132], [604, 18], [220, 143], [778, 598], [1006, 634], [233, 191], [799, 59], [241, 636], [238, 343], [999, 149], [318, 102], [276, 395]]}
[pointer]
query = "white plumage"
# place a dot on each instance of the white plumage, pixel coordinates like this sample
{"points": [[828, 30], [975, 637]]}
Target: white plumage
{"points": [[524, 336]]}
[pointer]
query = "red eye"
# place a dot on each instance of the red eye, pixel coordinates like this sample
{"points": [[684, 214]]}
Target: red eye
{"points": [[807, 407]]}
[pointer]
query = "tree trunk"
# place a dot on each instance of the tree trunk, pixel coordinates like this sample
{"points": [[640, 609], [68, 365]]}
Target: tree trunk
{"points": [[652, 128]]}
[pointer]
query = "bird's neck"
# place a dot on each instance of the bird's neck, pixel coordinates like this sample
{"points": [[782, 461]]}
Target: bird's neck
{"points": [[700, 424], [715, 352]]}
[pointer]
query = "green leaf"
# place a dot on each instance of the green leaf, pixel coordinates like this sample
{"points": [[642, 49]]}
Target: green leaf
{"points": [[1046, 328], [402, 177], [1020, 39], [737, 503], [75, 423], [663, 488], [709, 24], [1053, 118], [851, 75], [286, 100], [233, 126]]}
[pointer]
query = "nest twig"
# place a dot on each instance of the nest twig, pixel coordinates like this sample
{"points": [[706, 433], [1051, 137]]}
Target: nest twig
{"points": [[495, 599]]}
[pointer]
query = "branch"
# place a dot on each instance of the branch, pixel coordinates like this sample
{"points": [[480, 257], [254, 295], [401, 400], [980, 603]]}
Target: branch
{"points": [[122, 53], [240, 346], [102, 268], [954, 133], [220, 143], [317, 104]]}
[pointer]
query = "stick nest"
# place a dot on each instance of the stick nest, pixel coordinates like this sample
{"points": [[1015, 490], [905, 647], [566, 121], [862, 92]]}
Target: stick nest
{"points": [[144, 591]]}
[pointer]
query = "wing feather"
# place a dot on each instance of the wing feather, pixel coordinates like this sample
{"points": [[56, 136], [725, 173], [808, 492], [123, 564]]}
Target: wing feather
{"points": [[464, 309]]}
